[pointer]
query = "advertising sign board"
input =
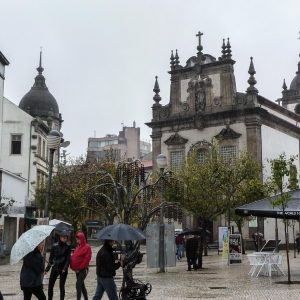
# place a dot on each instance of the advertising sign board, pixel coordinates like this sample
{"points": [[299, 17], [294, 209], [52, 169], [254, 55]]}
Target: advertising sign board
{"points": [[221, 230], [235, 249]]}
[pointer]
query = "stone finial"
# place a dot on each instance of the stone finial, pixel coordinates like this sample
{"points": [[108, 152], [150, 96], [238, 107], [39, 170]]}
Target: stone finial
{"points": [[156, 90], [228, 50], [40, 69], [199, 53], [172, 61], [223, 50], [251, 89], [177, 61], [284, 85]]}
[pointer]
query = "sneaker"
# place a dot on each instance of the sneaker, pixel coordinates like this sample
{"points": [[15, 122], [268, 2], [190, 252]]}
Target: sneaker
{"points": [[189, 270]]}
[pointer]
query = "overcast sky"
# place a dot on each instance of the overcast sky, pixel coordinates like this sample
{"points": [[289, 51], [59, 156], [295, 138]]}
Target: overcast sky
{"points": [[101, 57]]}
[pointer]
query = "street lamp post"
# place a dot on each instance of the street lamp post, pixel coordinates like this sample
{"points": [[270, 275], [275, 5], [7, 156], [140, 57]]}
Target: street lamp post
{"points": [[53, 141], [161, 163]]}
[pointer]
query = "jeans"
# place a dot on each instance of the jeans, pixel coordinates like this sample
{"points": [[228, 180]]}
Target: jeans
{"points": [[62, 280], [37, 291], [80, 287], [192, 262], [109, 286], [179, 251]]}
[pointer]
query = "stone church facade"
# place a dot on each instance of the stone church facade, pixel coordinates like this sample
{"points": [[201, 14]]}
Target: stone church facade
{"points": [[204, 103]]}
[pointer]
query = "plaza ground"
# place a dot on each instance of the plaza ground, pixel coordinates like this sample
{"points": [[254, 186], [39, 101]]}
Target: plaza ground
{"points": [[216, 280]]}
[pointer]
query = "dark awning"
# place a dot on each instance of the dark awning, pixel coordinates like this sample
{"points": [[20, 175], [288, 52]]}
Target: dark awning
{"points": [[264, 208]]}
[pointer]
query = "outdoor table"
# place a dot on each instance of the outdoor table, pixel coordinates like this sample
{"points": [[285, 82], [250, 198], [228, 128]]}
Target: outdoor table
{"points": [[265, 261]]}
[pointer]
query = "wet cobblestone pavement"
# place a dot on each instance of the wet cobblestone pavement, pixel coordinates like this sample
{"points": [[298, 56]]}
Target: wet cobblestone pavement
{"points": [[216, 280]]}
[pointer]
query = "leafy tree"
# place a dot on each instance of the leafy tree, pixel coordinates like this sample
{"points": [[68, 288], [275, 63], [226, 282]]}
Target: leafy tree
{"points": [[242, 185], [283, 179], [204, 188], [69, 187]]}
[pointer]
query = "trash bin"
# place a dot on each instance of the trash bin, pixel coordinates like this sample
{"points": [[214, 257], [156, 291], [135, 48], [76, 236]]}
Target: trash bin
{"points": [[2, 249]]}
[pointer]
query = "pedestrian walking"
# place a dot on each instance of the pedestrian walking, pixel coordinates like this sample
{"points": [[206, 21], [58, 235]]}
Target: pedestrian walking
{"points": [[106, 269], [191, 252], [298, 243], [31, 274], [59, 261], [180, 242], [80, 264]]}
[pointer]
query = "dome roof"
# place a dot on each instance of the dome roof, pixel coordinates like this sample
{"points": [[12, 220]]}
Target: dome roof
{"points": [[39, 101], [295, 84]]}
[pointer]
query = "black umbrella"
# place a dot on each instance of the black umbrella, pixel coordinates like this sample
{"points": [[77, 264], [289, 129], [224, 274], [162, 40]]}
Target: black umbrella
{"points": [[121, 232], [264, 208], [194, 230], [63, 226]]}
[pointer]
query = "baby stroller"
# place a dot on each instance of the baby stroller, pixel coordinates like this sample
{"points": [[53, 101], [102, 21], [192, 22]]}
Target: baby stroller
{"points": [[132, 288]]}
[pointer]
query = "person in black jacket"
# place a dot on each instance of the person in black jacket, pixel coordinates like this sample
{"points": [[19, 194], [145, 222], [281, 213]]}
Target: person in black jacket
{"points": [[59, 260], [191, 252], [106, 269], [31, 274]]}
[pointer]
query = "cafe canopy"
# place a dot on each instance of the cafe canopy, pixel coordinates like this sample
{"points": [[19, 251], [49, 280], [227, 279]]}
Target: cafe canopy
{"points": [[264, 208]]}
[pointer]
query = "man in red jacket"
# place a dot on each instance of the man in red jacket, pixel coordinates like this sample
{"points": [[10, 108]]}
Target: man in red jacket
{"points": [[80, 264]]}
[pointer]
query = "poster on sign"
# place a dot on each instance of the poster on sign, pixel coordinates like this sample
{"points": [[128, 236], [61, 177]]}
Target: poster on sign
{"points": [[235, 249], [221, 231], [226, 234]]}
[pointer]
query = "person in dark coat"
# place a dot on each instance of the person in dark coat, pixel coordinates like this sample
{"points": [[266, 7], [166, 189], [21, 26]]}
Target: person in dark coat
{"points": [[298, 243], [31, 274], [59, 261], [191, 248], [106, 269]]}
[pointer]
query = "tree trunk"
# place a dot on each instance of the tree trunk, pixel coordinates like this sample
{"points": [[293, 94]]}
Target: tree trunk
{"points": [[287, 251]]}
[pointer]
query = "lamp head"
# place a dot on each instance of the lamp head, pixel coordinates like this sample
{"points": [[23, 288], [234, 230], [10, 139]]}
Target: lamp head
{"points": [[161, 161], [53, 139]]}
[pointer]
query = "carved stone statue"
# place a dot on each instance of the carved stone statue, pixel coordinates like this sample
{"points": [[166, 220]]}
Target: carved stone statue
{"points": [[200, 97]]}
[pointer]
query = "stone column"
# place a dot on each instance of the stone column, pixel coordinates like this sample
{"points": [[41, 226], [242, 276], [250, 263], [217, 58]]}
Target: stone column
{"points": [[156, 147], [254, 142]]}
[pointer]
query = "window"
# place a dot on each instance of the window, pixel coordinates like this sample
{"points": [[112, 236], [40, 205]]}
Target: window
{"points": [[228, 153], [39, 146], [176, 160], [93, 144], [16, 144], [201, 155], [44, 149]]}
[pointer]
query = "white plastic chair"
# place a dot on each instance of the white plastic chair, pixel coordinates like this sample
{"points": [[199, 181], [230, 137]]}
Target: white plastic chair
{"points": [[275, 262], [255, 261]]}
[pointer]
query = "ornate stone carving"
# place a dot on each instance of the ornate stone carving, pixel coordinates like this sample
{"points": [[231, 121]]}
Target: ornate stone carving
{"points": [[164, 111], [200, 96], [240, 99], [198, 145], [175, 139], [228, 133], [199, 122], [185, 106], [217, 101]]}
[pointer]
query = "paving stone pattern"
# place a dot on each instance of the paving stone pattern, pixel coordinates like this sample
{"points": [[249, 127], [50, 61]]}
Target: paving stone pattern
{"points": [[216, 280]]}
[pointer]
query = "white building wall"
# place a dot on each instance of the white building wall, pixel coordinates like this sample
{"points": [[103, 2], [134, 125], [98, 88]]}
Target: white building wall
{"points": [[16, 121], [13, 187], [274, 143]]}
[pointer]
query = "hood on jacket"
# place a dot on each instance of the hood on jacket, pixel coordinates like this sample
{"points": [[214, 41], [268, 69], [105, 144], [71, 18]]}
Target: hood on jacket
{"points": [[82, 238]]}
